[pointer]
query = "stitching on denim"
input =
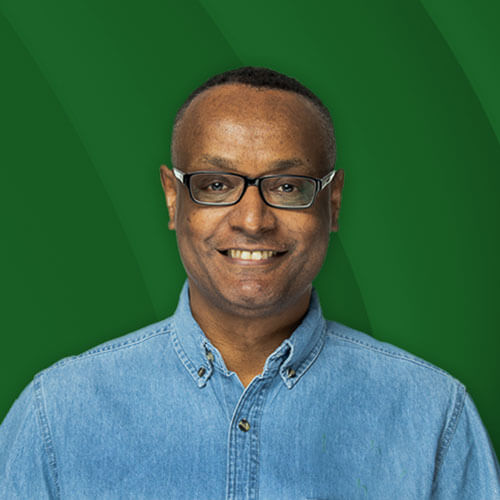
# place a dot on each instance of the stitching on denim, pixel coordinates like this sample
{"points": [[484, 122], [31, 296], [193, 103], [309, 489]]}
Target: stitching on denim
{"points": [[232, 469], [231, 459], [45, 428], [221, 370], [248, 394], [188, 364], [393, 354], [26, 416], [186, 360], [460, 393], [216, 367], [256, 416], [113, 347], [308, 362], [451, 427]]}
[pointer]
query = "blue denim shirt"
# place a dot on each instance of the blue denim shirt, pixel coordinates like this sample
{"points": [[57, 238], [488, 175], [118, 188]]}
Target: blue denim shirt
{"points": [[156, 414]]}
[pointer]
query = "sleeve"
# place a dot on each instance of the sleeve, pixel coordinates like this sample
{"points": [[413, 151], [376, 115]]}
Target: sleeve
{"points": [[469, 468], [25, 471]]}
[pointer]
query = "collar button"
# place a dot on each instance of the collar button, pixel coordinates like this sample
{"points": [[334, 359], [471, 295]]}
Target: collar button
{"points": [[290, 373], [201, 371]]}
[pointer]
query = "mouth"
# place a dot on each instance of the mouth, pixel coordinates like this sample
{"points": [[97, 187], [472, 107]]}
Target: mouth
{"points": [[251, 255]]}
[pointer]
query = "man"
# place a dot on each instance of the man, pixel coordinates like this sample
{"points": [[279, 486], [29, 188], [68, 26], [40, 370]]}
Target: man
{"points": [[247, 391]]}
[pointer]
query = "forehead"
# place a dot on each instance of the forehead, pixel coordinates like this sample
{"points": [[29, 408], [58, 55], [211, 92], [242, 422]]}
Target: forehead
{"points": [[236, 120]]}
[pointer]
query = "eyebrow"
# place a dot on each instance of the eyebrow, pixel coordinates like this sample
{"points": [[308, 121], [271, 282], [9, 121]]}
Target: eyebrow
{"points": [[275, 166]]}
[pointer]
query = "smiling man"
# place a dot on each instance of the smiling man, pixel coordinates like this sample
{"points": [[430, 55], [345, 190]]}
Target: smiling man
{"points": [[251, 251], [247, 392]]}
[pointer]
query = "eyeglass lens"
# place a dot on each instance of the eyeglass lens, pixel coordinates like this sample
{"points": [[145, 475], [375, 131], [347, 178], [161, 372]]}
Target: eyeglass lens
{"points": [[282, 190]]}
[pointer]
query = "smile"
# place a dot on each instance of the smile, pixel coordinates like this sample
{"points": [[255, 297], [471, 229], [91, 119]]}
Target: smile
{"points": [[241, 254]]}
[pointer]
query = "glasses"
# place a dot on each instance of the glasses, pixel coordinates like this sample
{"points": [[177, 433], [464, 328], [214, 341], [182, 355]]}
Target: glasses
{"points": [[277, 191]]}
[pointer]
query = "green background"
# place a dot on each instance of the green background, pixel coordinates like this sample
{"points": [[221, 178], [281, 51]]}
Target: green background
{"points": [[88, 92]]}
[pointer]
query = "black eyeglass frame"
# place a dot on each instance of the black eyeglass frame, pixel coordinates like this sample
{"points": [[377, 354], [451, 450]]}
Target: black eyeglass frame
{"points": [[320, 184]]}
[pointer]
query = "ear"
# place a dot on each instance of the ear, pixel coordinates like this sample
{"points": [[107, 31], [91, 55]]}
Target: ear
{"points": [[336, 198], [168, 181]]}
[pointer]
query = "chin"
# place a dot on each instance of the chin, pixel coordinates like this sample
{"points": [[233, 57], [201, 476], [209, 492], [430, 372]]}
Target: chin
{"points": [[252, 298]]}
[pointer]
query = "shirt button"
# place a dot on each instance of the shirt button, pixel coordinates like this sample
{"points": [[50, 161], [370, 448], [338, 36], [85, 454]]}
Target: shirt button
{"points": [[201, 371], [290, 373], [210, 357], [243, 425]]}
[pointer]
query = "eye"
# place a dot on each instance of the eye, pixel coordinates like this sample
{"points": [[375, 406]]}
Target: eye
{"points": [[216, 186], [287, 188]]}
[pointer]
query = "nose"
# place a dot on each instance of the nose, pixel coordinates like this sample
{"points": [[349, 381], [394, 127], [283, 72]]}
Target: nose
{"points": [[251, 215]]}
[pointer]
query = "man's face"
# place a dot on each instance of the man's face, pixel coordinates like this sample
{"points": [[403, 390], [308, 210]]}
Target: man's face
{"points": [[254, 132]]}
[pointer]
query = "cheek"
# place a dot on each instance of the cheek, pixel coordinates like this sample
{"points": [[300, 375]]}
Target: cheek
{"points": [[194, 226], [185, 227], [311, 237], [308, 230]]}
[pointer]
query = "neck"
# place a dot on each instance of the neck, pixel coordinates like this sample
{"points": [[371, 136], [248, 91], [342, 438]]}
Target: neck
{"points": [[245, 343]]}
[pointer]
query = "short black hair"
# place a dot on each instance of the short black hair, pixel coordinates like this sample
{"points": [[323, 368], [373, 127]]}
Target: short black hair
{"points": [[261, 77]]}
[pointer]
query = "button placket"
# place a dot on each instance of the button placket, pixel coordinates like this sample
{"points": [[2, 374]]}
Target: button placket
{"points": [[243, 445]]}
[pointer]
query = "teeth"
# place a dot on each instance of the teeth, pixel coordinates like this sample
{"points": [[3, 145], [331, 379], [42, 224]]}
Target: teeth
{"points": [[247, 255]]}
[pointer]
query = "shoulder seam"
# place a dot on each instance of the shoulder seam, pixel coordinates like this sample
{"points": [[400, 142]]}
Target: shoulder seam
{"points": [[45, 431], [393, 354], [113, 346]]}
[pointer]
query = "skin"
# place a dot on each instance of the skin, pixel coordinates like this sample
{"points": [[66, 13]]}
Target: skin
{"points": [[247, 308]]}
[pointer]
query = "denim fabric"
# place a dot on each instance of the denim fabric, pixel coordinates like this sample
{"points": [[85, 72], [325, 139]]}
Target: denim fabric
{"points": [[156, 414]]}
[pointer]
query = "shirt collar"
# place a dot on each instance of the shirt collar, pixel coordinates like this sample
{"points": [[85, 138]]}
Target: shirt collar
{"points": [[291, 359]]}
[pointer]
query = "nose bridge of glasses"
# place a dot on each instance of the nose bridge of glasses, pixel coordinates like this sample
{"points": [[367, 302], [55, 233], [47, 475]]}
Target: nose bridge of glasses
{"points": [[253, 182], [252, 213]]}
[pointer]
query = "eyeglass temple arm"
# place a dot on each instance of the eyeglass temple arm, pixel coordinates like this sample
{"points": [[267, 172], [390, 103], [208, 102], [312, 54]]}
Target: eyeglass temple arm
{"points": [[178, 174], [327, 179]]}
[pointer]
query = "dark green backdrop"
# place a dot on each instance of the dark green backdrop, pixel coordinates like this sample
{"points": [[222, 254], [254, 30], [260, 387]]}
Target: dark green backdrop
{"points": [[88, 91]]}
